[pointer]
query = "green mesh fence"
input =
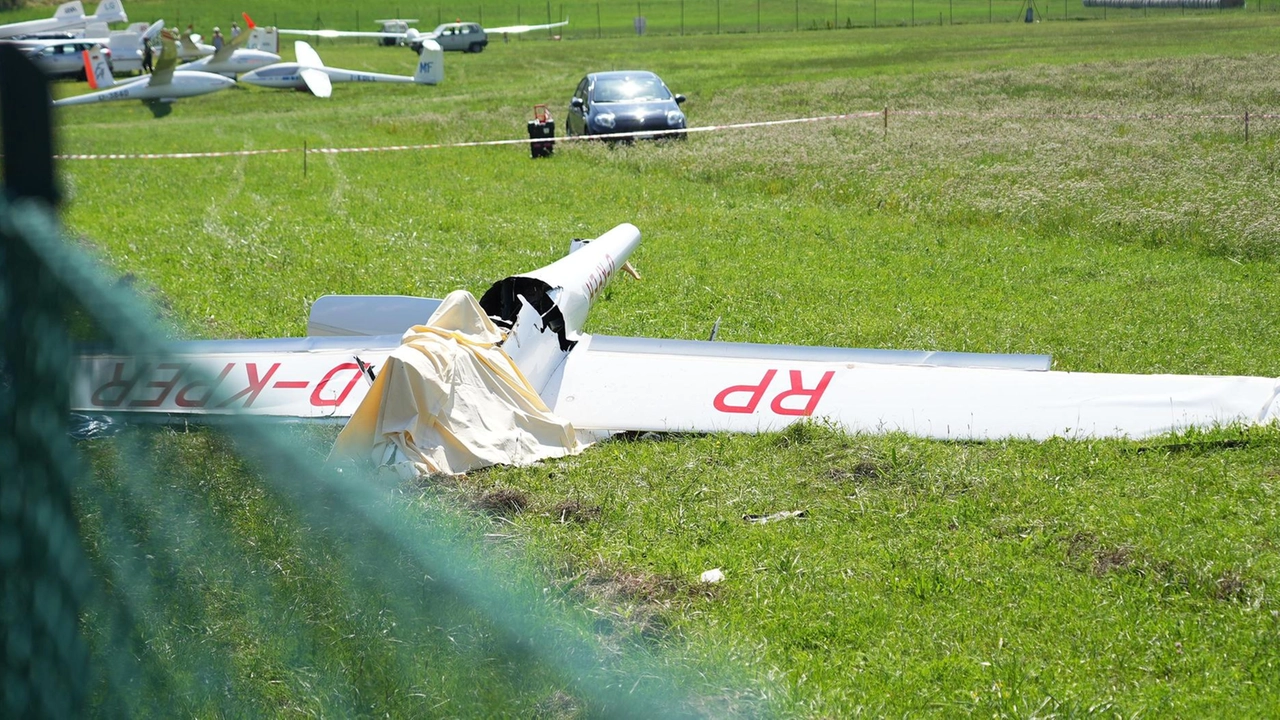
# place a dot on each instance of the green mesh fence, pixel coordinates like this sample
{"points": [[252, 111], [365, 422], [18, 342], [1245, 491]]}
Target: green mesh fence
{"points": [[229, 571]]}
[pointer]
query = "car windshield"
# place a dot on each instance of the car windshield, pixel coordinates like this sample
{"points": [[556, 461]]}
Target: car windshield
{"points": [[630, 89]]}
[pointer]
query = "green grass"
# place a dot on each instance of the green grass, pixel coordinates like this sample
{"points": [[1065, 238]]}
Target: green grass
{"points": [[1008, 578], [664, 17]]}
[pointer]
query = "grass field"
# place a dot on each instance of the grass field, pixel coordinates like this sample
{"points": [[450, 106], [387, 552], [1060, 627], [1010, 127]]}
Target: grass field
{"points": [[1078, 189], [589, 20]]}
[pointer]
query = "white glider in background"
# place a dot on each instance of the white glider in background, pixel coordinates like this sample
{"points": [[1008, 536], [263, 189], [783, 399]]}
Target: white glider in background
{"points": [[63, 56], [68, 16], [310, 73], [190, 47], [157, 90], [459, 36], [235, 57], [602, 384]]}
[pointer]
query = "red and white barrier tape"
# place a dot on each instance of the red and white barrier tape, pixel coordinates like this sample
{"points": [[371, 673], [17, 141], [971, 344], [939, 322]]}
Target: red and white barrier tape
{"points": [[664, 133]]}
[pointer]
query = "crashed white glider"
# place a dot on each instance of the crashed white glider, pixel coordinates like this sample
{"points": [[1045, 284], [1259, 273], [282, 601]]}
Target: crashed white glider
{"points": [[602, 384]]}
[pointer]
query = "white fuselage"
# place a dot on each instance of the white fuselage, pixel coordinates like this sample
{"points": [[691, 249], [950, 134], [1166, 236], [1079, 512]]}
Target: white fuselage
{"points": [[48, 25], [185, 83], [241, 61], [288, 75], [68, 16]]}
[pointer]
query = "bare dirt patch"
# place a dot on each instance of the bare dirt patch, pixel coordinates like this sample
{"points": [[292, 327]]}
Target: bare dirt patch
{"points": [[503, 502], [569, 511]]}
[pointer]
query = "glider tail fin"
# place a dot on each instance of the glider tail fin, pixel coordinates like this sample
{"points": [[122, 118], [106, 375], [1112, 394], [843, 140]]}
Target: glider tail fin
{"points": [[265, 39], [69, 11], [430, 64], [188, 45], [96, 69], [111, 11]]}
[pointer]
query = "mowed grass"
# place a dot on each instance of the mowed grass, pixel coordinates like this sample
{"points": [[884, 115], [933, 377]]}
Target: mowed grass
{"points": [[1083, 190]]}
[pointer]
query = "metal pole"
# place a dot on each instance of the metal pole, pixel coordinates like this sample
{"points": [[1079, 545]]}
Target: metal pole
{"points": [[836, 21], [951, 12], [758, 15], [304, 158], [717, 17], [682, 17], [797, 15], [875, 14]]}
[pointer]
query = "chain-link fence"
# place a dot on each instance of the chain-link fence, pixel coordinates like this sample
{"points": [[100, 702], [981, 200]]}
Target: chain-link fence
{"points": [[231, 571]]}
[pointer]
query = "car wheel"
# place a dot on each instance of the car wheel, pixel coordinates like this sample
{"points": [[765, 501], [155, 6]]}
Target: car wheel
{"points": [[474, 48]]}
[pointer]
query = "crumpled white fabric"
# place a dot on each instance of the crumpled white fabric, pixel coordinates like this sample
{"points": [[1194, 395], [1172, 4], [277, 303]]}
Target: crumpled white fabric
{"points": [[449, 400]]}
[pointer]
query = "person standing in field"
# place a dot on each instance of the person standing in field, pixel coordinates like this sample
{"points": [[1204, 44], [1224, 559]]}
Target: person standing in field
{"points": [[217, 38], [235, 30], [146, 56]]}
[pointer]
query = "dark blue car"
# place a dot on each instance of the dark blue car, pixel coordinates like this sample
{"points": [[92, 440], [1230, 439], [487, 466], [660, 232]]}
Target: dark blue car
{"points": [[624, 101]]}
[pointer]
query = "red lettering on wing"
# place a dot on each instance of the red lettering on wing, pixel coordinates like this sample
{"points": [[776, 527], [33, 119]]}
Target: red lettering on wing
{"points": [[756, 394], [256, 385], [182, 400], [165, 387], [798, 390], [318, 401], [117, 382]]}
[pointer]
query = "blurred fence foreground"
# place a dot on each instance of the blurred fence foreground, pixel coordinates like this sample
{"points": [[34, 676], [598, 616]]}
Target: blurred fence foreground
{"points": [[229, 571]]}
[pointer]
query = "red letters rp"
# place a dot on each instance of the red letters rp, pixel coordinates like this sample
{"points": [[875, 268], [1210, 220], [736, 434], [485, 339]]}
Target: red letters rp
{"points": [[756, 394]]}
